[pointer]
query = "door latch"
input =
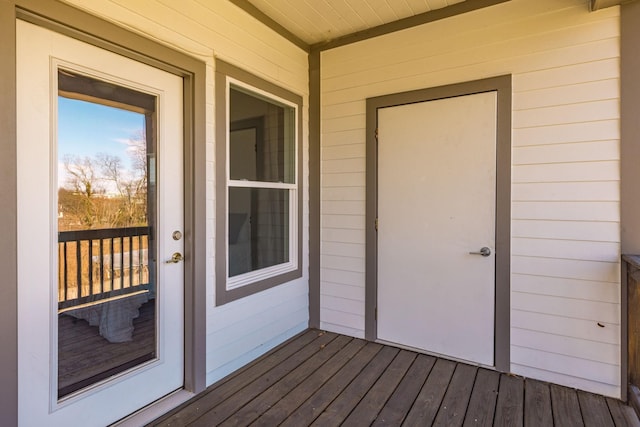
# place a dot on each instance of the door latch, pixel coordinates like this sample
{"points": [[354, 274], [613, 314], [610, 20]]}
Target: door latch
{"points": [[484, 252], [175, 258]]}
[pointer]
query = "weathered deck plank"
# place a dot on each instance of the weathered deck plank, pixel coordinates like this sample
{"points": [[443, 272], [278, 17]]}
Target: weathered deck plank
{"points": [[623, 415], [424, 409], [595, 411], [402, 398], [236, 401], [510, 406], [317, 403], [455, 402], [482, 405], [281, 409], [326, 379], [342, 406], [537, 404], [566, 409], [367, 410], [261, 403], [218, 392]]}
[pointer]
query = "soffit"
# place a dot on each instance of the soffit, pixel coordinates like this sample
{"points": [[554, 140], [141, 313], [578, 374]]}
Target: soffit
{"points": [[320, 21]]}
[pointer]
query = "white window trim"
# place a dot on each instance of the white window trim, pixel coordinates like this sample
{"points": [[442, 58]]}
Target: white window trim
{"points": [[251, 277]]}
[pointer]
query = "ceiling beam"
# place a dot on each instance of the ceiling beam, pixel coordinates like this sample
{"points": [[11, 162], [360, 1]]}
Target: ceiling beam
{"points": [[408, 22], [601, 4], [262, 17]]}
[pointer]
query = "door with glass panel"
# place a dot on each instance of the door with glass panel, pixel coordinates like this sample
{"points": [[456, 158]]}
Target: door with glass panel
{"points": [[101, 278]]}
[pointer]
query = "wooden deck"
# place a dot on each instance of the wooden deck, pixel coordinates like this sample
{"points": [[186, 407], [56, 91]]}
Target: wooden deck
{"points": [[85, 357], [326, 379]]}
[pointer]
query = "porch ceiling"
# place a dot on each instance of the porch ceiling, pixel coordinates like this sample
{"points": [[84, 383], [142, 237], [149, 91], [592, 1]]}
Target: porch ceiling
{"points": [[318, 21], [330, 23]]}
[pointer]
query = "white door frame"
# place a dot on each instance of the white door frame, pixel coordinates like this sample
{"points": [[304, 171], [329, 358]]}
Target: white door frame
{"points": [[502, 85]]}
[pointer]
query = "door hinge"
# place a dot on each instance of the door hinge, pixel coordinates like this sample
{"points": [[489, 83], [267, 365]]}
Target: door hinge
{"points": [[376, 134], [376, 224]]}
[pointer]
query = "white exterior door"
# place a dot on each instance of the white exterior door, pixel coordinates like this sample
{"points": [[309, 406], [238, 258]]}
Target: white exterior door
{"points": [[436, 205], [116, 265]]}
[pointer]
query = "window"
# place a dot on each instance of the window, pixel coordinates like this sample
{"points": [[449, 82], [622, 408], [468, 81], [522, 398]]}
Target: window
{"points": [[259, 185]]}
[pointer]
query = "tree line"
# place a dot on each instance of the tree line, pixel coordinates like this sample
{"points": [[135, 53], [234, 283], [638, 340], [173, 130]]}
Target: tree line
{"points": [[100, 192]]}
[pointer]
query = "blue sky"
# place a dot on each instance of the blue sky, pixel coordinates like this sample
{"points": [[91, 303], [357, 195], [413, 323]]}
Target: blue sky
{"points": [[86, 128]]}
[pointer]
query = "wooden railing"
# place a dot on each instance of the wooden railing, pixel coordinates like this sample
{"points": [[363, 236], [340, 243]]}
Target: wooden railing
{"points": [[97, 265], [631, 304]]}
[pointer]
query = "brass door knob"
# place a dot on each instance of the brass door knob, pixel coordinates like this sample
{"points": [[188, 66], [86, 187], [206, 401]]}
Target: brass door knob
{"points": [[175, 258]]}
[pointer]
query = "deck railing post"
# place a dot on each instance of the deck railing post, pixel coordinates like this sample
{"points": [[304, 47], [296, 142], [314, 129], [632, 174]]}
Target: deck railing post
{"points": [[631, 288], [66, 273]]}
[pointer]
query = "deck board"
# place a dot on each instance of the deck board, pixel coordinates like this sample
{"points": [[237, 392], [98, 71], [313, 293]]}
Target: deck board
{"points": [[537, 404], [425, 407], [342, 406], [595, 411], [482, 404], [277, 413], [566, 409], [370, 406], [327, 393], [510, 406], [260, 404], [399, 404], [623, 415], [242, 397], [217, 393], [327, 379], [455, 402]]}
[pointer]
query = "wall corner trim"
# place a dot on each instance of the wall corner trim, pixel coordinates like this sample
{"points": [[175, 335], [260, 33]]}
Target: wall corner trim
{"points": [[8, 218], [629, 153], [314, 188]]}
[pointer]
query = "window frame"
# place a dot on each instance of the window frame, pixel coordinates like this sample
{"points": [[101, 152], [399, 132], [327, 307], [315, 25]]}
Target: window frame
{"points": [[232, 288]]}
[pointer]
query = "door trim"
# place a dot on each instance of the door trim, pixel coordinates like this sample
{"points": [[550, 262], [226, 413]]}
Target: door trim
{"points": [[83, 26], [502, 85]]}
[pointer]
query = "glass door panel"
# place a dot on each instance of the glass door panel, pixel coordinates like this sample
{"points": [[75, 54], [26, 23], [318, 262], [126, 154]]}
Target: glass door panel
{"points": [[106, 228]]}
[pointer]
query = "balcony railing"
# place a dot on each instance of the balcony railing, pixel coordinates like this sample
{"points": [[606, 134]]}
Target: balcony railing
{"points": [[99, 265], [631, 287]]}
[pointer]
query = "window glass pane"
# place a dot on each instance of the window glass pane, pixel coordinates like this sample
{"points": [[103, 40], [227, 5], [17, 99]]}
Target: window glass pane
{"points": [[258, 229], [261, 139]]}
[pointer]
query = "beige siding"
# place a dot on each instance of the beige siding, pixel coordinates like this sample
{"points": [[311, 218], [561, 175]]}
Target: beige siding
{"points": [[565, 314], [240, 331]]}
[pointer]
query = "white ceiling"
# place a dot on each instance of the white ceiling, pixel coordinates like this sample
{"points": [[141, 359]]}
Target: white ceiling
{"points": [[315, 21]]}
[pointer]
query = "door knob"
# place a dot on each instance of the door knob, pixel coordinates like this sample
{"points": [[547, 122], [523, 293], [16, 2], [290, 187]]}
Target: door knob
{"points": [[484, 252], [175, 258]]}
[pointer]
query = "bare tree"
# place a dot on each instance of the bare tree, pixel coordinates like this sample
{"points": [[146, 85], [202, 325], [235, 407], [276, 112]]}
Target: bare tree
{"points": [[85, 183], [101, 192]]}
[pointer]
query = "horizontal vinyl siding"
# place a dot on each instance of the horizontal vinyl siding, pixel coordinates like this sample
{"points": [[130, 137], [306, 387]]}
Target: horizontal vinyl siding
{"points": [[565, 313], [240, 331]]}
